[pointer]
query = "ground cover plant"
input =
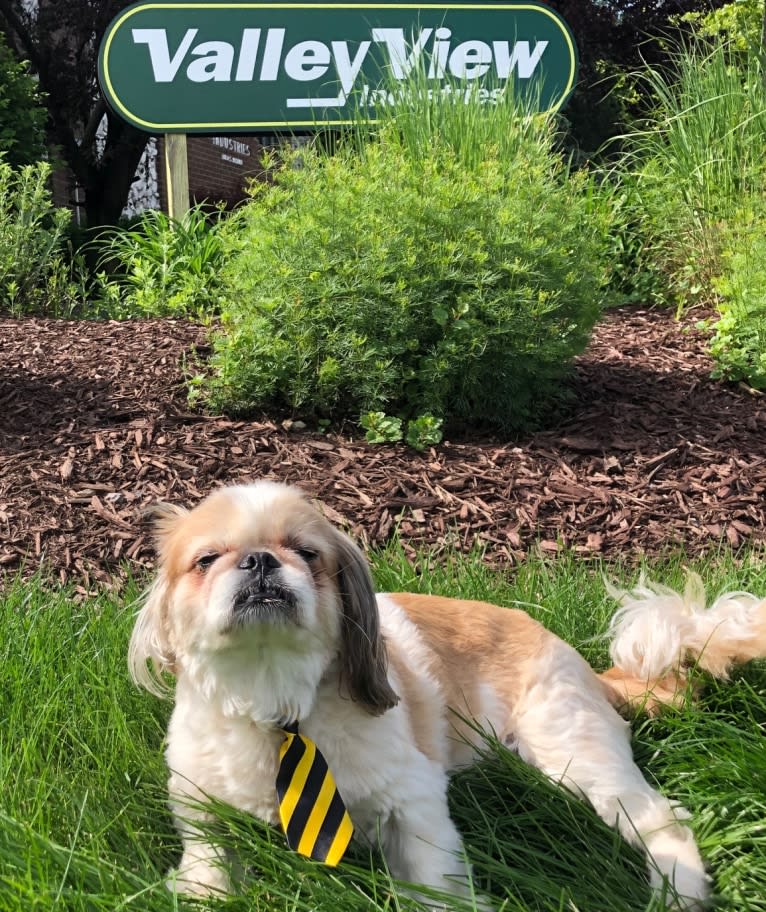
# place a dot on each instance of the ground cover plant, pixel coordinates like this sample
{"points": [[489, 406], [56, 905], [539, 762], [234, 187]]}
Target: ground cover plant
{"points": [[450, 253], [82, 781]]}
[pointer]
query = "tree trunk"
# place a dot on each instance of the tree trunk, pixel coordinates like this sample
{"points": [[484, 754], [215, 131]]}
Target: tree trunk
{"points": [[107, 181]]}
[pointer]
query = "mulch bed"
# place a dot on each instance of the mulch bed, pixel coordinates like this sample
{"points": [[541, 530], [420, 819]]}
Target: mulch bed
{"points": [[94, 427]]}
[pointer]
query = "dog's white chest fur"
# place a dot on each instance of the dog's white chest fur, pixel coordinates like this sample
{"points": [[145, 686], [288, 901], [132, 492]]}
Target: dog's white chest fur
{"points": [[237, 758]]}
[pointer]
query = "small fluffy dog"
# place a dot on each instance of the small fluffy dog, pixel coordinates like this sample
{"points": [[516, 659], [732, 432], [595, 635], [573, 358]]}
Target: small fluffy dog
{"points": [[264, 612]]}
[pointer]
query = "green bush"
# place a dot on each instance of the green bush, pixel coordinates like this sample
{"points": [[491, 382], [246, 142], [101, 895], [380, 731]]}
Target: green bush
{"points": [[739, 340], [162, 267], [429, 273], [34, 276]]}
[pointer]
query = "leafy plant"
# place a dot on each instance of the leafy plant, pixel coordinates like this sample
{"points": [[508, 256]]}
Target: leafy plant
{"points": [[696, 160], [381, 428], [740, 23], [738, 344], [161, 267], [424, 431]]}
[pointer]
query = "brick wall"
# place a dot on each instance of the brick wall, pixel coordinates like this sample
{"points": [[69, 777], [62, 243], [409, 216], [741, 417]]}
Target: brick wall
{"points": [[219, 168]]}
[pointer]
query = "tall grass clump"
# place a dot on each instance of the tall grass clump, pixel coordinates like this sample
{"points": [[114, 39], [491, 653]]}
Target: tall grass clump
{"points": [[446, 265], [699, 156], [34, 275], [161, 267], [697, 171]]}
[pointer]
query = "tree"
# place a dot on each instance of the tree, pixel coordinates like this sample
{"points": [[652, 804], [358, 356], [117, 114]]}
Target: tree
{"points": [[22, 115], [61, 41]]}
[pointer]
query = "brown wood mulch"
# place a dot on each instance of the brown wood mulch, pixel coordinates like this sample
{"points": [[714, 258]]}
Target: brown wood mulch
{"points": [[94, 427]]}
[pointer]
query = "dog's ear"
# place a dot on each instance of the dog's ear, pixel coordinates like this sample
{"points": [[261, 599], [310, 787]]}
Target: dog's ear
{"points": [[151, 651], [163, 519], [364, 658]]}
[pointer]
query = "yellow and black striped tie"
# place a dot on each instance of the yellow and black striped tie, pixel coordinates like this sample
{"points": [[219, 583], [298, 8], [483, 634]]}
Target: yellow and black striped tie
{"points": [[313, 815]]}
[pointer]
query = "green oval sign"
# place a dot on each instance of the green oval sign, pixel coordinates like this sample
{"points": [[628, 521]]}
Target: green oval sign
{"points": [[243, 67]]}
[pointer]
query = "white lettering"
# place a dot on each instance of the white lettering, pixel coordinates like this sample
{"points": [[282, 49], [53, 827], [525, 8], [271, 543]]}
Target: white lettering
{"points": [[272, 53], [307, 60], [470, 60], [521, 58], [164, 66], [347, 68], [402, 63], [216, 61], [248, 51]]}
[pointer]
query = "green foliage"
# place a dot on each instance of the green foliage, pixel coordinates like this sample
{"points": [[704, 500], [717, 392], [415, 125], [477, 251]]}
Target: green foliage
{"points": [[381, 428], [424, 431], [696, 178], [740, 23], [34, 276], [695, 161], [702, 155], [162, 267], [739, 340], [22, 114], [635, 277], [450, 266]]}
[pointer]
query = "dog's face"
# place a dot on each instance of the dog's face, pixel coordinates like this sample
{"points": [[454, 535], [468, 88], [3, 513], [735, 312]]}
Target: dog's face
{"points": [[255, 574]]}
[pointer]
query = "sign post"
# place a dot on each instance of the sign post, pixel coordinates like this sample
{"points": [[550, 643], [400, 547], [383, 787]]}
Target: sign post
{"points": [[176, 174]]}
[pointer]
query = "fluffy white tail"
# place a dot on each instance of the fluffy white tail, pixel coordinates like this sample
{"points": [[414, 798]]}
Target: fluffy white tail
{"points": [[657, 631]]}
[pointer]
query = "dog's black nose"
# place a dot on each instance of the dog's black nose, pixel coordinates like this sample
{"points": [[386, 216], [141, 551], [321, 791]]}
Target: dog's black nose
{"points": [[259, 563]]}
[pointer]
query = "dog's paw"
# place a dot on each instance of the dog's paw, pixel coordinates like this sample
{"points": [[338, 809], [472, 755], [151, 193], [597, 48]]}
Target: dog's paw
{"points": [[199, 878]]}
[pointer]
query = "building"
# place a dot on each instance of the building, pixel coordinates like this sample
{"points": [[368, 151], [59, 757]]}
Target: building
{"points": [[220, 168]]}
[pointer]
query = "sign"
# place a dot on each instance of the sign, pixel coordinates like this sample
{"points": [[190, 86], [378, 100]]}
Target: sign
{"points": [[193, 67]]}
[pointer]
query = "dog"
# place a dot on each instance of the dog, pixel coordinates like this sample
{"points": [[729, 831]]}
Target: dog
{"points": [[263, 612]]}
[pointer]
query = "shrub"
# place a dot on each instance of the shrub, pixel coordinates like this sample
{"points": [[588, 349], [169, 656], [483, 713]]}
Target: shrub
{"points": [[34, 277], [455, 277], [161, 267], [739, 340]]}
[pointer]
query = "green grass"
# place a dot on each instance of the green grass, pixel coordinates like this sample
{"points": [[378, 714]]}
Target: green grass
{"points": [[83, 823]]}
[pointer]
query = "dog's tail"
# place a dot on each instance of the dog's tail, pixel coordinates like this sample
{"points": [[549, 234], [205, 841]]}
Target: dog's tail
{"points": [[657, 634]]}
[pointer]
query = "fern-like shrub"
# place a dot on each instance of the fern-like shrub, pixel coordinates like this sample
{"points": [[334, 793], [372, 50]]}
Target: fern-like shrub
{"points": [[34, 274], [412, 280]]}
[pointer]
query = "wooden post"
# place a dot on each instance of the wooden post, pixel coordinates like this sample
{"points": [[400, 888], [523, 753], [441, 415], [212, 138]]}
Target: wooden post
{"points": [[176, 175]]}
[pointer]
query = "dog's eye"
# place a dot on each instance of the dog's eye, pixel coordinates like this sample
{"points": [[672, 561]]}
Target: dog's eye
{"points": [[206, 561], [307, 554]]}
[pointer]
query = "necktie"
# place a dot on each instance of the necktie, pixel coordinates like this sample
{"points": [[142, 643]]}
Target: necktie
{"points": [[312, 813]]}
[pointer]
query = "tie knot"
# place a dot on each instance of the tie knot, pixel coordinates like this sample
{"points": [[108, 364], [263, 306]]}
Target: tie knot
{"points": [[289, 728]]}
